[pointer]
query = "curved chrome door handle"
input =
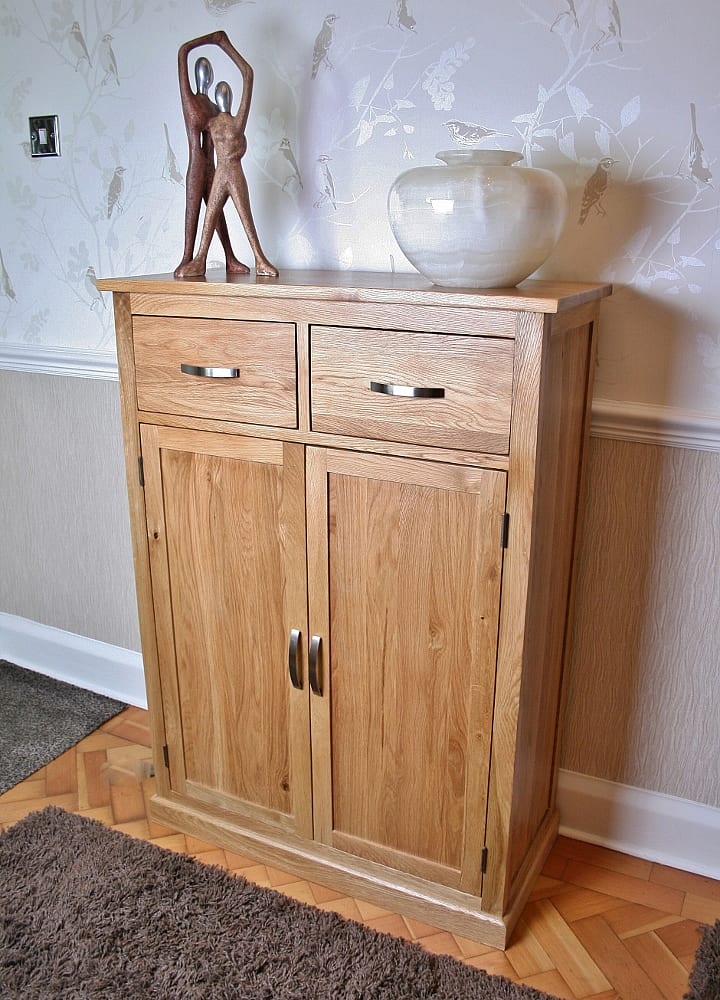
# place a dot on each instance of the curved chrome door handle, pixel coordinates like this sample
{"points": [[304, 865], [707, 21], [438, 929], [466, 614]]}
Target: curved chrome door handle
{"points": [[415, 391], [201, 372], [295, 677], [313, 657]]}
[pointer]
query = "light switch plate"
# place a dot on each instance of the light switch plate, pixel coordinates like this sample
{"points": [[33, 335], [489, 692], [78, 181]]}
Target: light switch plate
{"points": [[44, 135]]}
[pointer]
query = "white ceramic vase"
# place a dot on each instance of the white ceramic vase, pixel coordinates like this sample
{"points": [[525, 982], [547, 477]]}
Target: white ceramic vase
{"points": [[478, 221]]}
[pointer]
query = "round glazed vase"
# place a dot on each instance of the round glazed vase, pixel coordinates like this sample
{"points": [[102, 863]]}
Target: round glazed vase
{"points": [[478, 221]]}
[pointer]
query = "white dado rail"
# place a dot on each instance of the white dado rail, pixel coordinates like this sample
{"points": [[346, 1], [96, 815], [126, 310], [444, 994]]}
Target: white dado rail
{"points": [[646, 423]]}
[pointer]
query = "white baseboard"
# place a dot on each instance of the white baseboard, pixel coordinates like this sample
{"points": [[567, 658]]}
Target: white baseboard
{"points": [[660, 828], [75, 659]]}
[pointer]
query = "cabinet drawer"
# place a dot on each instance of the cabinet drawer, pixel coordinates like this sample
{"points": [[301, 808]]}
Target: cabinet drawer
{"points": [[235, 369], [422, 388]]}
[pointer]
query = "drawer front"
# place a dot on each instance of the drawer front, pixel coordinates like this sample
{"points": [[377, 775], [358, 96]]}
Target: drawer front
{"points": [[422, 388], [222, 369]]}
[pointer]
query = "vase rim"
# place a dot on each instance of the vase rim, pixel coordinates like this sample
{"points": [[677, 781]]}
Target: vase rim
{"points": [[487, 157]]}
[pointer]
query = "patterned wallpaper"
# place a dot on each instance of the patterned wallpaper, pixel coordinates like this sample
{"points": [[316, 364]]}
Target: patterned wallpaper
{"points": [[620, 97]]}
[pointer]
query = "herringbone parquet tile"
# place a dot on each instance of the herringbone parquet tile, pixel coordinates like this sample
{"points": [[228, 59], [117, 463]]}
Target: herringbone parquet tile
{"points": [[599, 925]]}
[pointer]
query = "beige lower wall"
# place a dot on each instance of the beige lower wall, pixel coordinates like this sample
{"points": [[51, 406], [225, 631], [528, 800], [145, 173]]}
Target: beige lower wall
{"points": [[644, 687], [644, 698], [65, 556]]}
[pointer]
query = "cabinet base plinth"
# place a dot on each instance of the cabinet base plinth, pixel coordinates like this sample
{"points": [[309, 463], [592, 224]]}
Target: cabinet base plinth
{"points": [[449, 909]]}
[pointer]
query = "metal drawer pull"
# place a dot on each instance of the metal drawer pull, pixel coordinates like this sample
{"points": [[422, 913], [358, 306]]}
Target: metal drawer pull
{"points": [[293, 658], [313, 664], [416, 391], [202, 372]]}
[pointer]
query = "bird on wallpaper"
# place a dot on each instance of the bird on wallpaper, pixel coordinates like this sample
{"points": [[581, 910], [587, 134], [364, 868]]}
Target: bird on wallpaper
{"points": [[108, 61], [607, 18], [76, 41], [468, 133], [286, 150], [402, 17], [171, 167], [115, 190], [326, 184], [220, 6], [5, 283], [696, 159], [91, 288], [571, 12], [324, 40], [596, 188]]}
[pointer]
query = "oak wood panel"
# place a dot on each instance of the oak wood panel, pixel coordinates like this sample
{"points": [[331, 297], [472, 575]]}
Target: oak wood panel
{"points": [[400, 448], [374, 315], [474, 373], [264, 354], [562, 434], [411, 657], [226, 529], [531, 332], [136, 500], [534, 295]]}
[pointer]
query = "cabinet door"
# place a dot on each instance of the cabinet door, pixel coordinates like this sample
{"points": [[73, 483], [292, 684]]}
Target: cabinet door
{"points": [[405, 561], [226, 533]]}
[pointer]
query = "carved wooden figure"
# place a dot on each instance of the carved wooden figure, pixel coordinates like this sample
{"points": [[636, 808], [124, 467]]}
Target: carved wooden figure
{"points": [[217, 144]]}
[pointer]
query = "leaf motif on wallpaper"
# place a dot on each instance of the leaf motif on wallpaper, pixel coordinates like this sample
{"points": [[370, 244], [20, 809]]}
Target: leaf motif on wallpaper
{"points": [[437, 80], [365, 131], [20, 194], [578, 101], [630, 112], [691, 262], [566, 145], [635, 245], [6, 285], [17, 101], [269, 133], [358, 92], [709, 351], [602, 138]]}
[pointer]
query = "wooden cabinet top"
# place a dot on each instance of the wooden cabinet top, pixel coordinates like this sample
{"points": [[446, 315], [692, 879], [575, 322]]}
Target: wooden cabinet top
{"points": [[365, 286]]}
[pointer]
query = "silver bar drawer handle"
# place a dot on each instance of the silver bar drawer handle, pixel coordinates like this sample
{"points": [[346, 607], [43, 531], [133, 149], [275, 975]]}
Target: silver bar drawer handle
{"points": [[210, 372], [416, 391]]}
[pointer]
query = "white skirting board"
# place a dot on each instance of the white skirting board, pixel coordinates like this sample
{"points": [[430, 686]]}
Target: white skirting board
{"points": [[650, 825], [75, 659]]}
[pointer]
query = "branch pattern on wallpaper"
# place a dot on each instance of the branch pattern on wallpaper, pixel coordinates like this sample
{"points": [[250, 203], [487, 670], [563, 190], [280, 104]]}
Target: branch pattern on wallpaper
{"points": [[619, 99]]}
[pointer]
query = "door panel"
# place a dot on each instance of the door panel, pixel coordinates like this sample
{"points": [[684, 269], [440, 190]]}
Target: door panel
{"points": [[413, 558], [226, 533]]}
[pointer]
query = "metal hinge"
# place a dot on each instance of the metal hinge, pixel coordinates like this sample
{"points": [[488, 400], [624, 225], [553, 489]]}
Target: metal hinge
{"points": [[141, 471], [483, 860], [166, 756], [505, 531]]}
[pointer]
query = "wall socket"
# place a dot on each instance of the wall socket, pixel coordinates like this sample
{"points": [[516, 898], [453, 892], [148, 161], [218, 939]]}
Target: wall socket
{"points": [[44, 135]]}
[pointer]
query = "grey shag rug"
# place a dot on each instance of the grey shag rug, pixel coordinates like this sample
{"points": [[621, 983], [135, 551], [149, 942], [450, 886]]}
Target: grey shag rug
{"points": [[40, 718], [87, 912], [705, 977]]}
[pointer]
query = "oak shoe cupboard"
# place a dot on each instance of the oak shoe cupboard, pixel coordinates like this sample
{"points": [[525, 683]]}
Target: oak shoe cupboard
{"points": [[354, 504]]}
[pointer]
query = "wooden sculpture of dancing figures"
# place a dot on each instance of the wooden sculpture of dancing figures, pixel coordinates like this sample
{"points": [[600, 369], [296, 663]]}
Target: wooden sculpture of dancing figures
{"points": [[217, 144]]}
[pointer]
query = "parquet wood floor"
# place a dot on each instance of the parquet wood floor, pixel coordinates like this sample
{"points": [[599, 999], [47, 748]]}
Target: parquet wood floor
{"points": [[599, 926]]}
